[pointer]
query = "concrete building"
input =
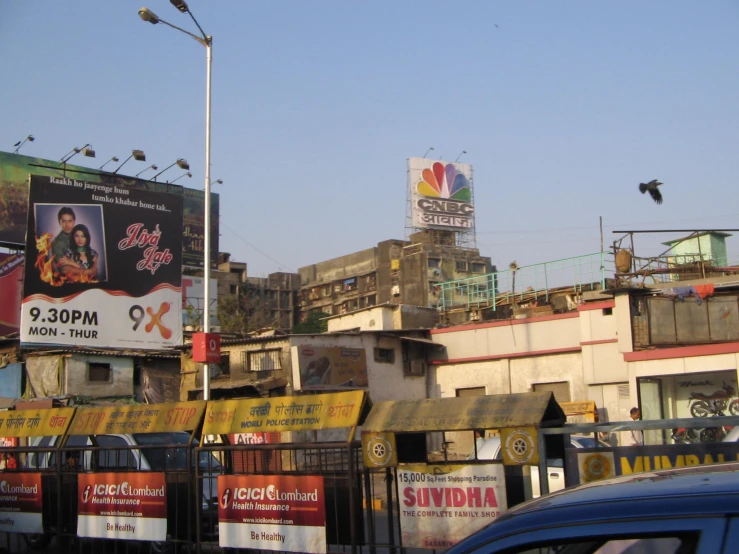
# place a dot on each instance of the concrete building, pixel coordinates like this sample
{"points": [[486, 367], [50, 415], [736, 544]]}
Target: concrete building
{"points": [[395, 271]]}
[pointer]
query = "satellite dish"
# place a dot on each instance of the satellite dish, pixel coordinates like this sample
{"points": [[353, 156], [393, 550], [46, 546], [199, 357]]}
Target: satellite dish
{"points": [[513, 266]]}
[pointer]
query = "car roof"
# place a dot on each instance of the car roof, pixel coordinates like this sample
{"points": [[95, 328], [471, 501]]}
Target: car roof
{"points": [[693, 491]]}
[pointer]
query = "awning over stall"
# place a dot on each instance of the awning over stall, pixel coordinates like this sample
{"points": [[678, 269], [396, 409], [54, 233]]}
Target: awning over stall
{"points": [[529, 409]]}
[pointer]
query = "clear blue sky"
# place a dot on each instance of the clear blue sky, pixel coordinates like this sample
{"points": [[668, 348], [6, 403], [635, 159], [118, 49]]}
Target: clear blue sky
{"points": [[563, 108]]}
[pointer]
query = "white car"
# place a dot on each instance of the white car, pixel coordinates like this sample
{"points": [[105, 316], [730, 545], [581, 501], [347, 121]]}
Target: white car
{"points": [[490, 449]]}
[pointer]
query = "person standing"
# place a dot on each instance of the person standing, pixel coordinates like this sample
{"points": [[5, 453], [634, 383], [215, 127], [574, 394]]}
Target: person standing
{"points": [[637, 435], [62, 241]]}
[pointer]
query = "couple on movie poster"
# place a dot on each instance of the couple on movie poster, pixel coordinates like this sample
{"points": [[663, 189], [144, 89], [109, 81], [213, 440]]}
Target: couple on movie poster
{"points": [[76, 253]]}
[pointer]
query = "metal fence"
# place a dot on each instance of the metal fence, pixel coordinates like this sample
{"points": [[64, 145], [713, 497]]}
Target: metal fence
{"points": [[527, 282]]}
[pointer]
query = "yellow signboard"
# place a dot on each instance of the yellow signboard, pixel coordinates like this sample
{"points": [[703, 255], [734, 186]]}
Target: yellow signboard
{"points": [[286, 413], [35, 423], [462, 413], [143, 418]]}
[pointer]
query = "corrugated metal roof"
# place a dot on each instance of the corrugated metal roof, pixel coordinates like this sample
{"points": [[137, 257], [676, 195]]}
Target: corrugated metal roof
{"points": [[167, 354]]}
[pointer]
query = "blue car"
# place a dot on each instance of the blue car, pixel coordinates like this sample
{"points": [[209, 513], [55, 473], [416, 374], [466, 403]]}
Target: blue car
{"points": [[691, 510]]}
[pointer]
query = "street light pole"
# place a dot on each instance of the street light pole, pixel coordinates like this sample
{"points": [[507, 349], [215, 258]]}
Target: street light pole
{"points": [[207, 41]]}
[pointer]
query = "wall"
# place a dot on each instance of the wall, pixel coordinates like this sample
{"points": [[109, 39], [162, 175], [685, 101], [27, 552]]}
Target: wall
{"points": [[76, 376], [375, 319], [542, 335]]}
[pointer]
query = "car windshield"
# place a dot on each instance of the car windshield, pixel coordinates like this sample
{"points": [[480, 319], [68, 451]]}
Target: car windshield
{"points": [[172, 457]]}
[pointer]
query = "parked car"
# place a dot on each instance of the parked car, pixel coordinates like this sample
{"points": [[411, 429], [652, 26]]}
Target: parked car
{"points": [[692, 510], [490, 449]]}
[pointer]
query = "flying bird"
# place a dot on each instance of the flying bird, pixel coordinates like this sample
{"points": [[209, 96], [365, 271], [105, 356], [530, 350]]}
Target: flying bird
{"points": [[651, 187]]}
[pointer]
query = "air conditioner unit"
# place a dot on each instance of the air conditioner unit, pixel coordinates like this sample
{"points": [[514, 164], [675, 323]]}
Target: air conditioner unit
{"points": [[415, 368], [474, 315]]}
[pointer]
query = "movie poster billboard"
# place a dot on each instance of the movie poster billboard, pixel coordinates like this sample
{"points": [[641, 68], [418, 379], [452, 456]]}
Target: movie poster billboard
{"points": [[14, 172], [130, 506], [323, 367], [11, 292], [20, 503], [441, 194], [103, 266], [283, 513], [441, 504]]}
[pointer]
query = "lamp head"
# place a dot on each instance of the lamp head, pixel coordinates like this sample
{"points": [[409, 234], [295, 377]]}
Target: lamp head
{"points": [[180, 5], [182, 163], [219, 181], [114, 159], [154, 167], [188, 174], [30, 138], [147, 15], [139, 155], [89, 152]]}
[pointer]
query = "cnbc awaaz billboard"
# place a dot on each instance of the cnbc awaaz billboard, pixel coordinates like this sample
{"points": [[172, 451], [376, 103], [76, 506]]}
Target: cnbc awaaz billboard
{"points": [[103, 266]]}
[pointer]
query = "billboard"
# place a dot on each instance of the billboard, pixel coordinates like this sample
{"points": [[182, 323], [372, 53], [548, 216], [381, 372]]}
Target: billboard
{"points": [[193, 301], [14, 172], [441, 194], [103, 266], [333, 366], [11, 292]]}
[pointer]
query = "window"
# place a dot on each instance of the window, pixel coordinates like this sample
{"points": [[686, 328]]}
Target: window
{"points": [[350, 284], [561, 390], [99, 372], [384, 355], [460, 266], [434, 262], [234, 289], [607, 311], [225, 364], [112, 458], [262, 360], [477, 267], [646, 545]]}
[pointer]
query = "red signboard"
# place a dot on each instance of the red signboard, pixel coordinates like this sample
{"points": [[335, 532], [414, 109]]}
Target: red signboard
{"points": [[206, 348], [20, 503], [129, 506], [285, 513]]}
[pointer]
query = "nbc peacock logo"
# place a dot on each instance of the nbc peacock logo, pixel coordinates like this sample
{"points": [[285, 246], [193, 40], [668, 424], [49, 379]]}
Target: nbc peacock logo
{"points": [[444, 181]]}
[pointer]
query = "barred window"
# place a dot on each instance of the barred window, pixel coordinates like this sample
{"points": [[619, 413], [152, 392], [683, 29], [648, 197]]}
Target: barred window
{"points": [[262, 360]]}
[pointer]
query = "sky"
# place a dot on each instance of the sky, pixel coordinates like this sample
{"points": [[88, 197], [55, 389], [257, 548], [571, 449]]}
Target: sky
{"points": [[562, 108]]}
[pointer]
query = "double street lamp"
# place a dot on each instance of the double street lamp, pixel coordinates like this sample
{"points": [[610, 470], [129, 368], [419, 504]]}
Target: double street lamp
{"points": [[147, 15]]}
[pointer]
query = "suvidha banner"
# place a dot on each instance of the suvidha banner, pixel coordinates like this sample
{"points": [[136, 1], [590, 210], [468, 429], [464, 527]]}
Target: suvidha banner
{"points": [[103, 266], [442, 504]]}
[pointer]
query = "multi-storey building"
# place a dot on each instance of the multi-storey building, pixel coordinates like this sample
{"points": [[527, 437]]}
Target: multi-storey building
{"points": [[395, 271]]}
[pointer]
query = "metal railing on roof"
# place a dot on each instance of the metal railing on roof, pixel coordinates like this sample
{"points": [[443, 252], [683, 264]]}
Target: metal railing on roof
{"points": [[527, 282]]}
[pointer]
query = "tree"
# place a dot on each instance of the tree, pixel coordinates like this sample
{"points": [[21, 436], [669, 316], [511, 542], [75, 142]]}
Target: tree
{"points": [[313, 324]]}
